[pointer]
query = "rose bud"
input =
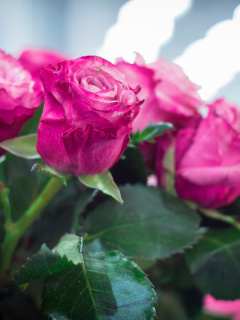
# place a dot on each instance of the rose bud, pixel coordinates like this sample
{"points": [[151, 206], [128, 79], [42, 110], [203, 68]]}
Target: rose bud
{"points": [[19, 97], [33, 59], [208, 157], [87, 115]]}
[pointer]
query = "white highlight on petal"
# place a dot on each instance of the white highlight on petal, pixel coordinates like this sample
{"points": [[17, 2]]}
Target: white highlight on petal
{"points": [[213, 61], [142, 26]]}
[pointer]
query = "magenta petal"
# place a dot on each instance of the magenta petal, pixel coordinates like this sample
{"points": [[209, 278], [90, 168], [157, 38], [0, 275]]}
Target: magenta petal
{"points": [[87, 116], [222, 307], [208, 158], [33, 59], [168, 94], [19, 97], [73, 141], [11, 129]]}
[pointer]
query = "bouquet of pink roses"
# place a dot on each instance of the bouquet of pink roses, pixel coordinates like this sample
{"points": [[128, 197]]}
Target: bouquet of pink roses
{"points": [[116, 193]]}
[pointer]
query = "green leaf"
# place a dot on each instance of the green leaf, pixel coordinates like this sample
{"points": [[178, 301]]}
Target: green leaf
{"points": [[90, 285], [150, 132], [215, 264], [151, 224], [42, 264], [24, 147], [103, 182], [69, 247], [104, 286], [50, 172]]}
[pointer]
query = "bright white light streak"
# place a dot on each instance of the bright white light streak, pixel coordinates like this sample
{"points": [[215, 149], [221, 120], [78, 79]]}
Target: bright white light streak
{"points": [[142, 26], [213, 61]]}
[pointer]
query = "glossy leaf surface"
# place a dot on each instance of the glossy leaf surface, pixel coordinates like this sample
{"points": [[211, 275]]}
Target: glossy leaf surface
{"points": [[151, 224], [42, 264], [89, 285], [104, 286], [215, 264]]}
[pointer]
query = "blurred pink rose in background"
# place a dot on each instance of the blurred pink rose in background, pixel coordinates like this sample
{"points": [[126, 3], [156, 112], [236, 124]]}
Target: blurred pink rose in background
{"points": [[208, 157], [222, 307], [20, 96], [152, 180], [33, 59], [87, 116], [168, 94]]}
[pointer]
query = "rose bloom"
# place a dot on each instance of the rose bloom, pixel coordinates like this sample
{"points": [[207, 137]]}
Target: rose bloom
{"points": [[169, 96], [20, 96], [33, 59], [222, 307], [208, 157], [87, 115]]}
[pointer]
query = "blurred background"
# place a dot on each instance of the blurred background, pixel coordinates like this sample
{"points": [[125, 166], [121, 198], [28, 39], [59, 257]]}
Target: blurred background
{"points": [[202, 36]]}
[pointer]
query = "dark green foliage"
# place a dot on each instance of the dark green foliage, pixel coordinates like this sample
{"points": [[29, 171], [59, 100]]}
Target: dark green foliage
{"points": [[215, 264], [151, 224], [41, 265], [89, 285]]}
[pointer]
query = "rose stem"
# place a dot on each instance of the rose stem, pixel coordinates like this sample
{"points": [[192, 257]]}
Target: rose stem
{"points": [[19, 228], [6, 207], [218, 216]]}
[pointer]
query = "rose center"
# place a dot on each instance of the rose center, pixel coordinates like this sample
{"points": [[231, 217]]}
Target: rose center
{"points": [[94, 84]]}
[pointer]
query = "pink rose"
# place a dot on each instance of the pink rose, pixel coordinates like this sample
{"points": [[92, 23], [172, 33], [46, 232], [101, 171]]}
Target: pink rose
{"points": [[208, 157], [19, 97], [222, 307], [87, 116], [169, 96], [33, 59]]}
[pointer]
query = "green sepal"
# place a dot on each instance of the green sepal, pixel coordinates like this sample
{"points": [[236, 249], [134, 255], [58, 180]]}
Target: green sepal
{"points": [[103, 182], [50, 172], [24, 146]]}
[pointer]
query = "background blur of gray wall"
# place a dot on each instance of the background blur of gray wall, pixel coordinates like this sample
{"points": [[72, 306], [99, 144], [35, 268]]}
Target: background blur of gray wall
{"points": [[78, 27], [73, 26]]}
